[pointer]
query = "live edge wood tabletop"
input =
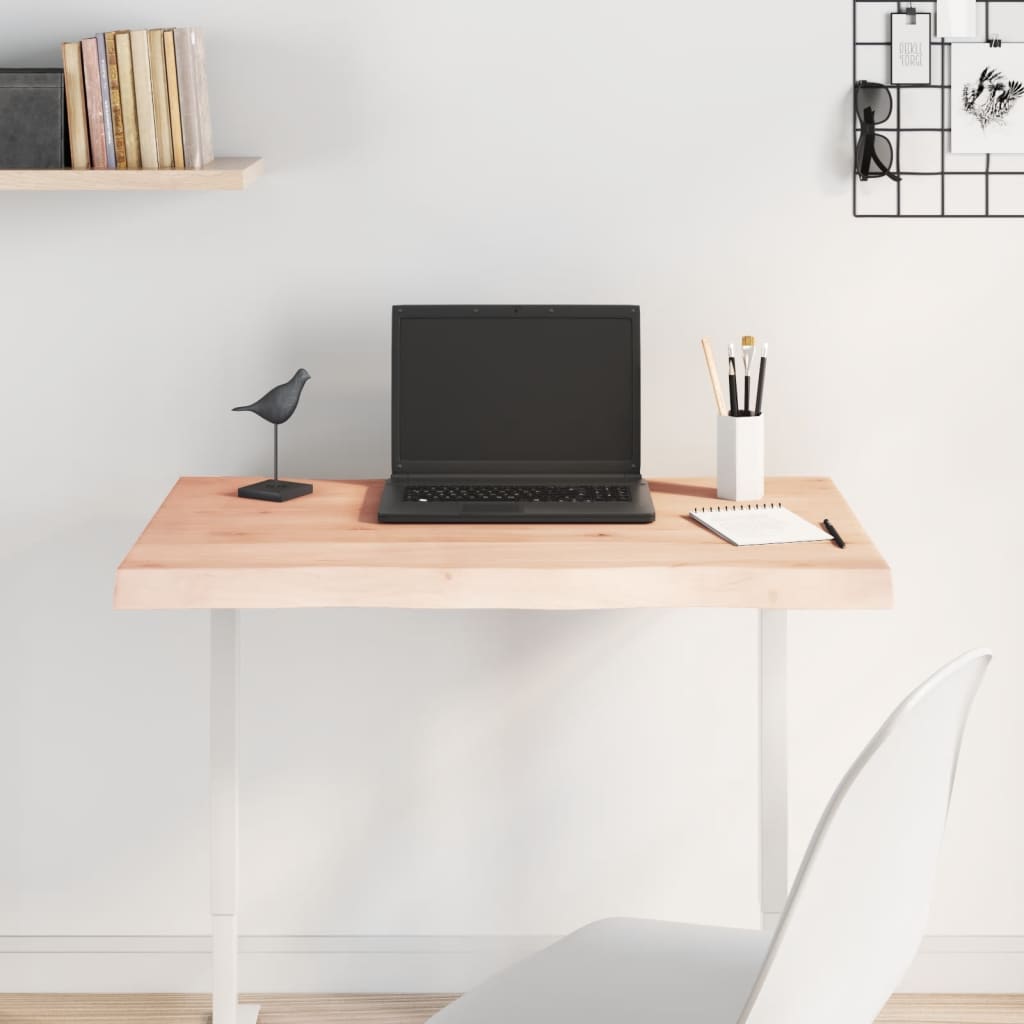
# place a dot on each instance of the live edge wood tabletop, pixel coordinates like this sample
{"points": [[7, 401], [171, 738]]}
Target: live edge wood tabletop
{"points": [[207, 548]]}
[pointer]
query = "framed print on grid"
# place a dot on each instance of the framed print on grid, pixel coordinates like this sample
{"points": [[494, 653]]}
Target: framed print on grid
{"points": [[987, 98]]}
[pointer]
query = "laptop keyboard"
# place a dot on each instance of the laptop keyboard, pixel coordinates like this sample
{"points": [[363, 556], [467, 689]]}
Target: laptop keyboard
{"points": [[516, 492]]}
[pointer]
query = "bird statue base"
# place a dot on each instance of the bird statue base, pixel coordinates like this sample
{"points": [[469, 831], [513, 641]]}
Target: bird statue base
{"points": [[275, 490]]}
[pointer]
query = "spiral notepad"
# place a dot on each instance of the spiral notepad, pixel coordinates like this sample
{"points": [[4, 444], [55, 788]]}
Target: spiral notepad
{"points": [[757, 524]]}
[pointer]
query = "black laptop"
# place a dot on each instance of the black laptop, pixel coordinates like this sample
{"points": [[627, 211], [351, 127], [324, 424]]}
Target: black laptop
{"points": [[515, 414]]}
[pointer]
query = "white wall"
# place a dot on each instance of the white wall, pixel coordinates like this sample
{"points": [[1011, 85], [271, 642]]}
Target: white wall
{"points": [[412, 775]]}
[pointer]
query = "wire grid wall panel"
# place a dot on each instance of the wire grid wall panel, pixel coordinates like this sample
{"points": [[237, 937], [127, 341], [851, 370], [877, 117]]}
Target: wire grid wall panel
{"points": [[934, 181]]}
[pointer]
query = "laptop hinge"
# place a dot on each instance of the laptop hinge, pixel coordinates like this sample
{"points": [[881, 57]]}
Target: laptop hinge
{"points": [[515, 476]]}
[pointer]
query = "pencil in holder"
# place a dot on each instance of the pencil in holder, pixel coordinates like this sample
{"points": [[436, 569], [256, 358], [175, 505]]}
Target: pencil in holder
{"points": [[741, 458]]}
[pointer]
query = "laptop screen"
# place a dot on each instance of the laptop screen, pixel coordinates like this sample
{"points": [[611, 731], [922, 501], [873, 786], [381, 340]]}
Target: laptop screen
{"points": [[514, 391]]}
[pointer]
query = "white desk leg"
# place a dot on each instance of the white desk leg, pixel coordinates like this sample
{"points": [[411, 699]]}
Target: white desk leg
{"points": [[774, 809], [224, 819]]}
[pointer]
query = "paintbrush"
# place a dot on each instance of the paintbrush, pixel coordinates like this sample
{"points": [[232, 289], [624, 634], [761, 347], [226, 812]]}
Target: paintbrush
{"points": [[713, 374], [734, 405], [748, 358], [760, 379]]}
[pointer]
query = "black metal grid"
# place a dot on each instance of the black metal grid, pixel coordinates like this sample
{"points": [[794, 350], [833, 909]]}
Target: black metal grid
{"points": [[964, 180]]}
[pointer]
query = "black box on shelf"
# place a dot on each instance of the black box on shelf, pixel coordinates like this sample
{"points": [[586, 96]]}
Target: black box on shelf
{"points": [[32, 119]]}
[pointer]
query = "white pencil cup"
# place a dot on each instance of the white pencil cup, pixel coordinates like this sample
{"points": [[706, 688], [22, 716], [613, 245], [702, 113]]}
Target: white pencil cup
{"points": [[741, 458]]}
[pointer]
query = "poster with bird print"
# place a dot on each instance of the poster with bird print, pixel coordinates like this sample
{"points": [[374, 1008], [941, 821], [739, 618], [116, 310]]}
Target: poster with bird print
{"points": [[987, 98]]}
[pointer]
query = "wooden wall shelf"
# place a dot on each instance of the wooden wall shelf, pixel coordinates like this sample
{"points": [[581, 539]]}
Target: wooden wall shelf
{"points": [[225, 174]]}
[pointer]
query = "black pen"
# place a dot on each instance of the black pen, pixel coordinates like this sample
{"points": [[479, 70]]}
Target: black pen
{"points": [[734, 401], [836, 539], [760, 378]]}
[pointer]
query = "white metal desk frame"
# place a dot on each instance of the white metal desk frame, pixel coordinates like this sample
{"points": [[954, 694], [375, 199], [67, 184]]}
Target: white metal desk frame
{"points": [[224, 678]]}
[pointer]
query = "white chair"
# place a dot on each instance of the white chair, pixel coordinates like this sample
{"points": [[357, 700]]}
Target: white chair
{"points": [[848, 932]]}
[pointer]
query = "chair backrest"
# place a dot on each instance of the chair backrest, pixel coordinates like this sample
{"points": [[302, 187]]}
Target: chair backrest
{"points": [[859, 904]]}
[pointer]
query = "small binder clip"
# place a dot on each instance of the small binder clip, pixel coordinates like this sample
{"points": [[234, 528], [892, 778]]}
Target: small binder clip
{"points": [[995, 42], [911, 13]]}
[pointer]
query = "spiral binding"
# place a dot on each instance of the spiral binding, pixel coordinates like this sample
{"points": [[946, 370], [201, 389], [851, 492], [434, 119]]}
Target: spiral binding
{"points": [[740, 507]]}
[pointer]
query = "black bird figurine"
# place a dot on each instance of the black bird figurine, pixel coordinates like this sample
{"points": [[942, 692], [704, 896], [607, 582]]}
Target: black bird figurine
{"points": [[276, 407], [278, 404]]}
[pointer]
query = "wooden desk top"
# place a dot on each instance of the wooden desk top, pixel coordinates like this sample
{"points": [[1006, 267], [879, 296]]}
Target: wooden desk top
{"points": [[207, 548]]}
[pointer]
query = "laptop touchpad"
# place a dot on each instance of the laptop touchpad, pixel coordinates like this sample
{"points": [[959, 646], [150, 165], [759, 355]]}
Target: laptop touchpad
{"points": [[492, 508]]}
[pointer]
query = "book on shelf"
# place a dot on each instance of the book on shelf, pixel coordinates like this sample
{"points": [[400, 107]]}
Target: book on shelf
{"points": [[161, 98], [195, 105], [74, 94], [116, 115], [202, 98], [174, 99], [185, 60], [94, 103], [138, 98], [33, 118], [108, 117], [144, 98], [126, 74]]}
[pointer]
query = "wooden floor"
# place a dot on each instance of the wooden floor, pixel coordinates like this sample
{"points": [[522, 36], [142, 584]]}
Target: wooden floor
{"points": [[407, 1009]]}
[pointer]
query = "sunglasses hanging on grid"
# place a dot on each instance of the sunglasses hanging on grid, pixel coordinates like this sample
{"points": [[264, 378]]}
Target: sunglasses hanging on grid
{"points": [[874, 156]]}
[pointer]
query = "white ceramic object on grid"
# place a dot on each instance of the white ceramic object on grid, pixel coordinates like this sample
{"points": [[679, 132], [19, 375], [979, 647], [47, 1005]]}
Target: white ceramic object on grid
{"points": [[741, 458], [848, 932]]}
